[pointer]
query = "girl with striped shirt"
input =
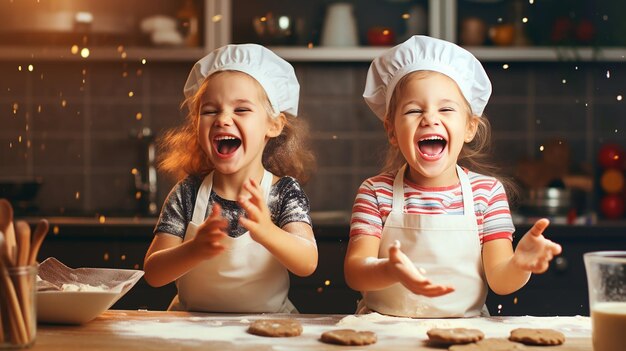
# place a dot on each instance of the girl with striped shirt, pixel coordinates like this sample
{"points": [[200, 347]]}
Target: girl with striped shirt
{"points": [[428, 237]]}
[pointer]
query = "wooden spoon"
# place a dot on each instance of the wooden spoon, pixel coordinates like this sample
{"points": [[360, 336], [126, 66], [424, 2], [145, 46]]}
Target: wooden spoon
{"points": [[15, 317], [22, 230], [23, 284], [6, 226], [38, 235]]}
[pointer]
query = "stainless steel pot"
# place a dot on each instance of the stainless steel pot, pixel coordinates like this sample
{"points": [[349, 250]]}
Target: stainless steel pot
{"points": [[552, 201]]}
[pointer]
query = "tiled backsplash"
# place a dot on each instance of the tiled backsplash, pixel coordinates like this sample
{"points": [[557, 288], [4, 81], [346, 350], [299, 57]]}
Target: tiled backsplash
{"points": [[75, 124]]}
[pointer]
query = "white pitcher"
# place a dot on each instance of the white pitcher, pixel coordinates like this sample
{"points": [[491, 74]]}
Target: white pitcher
{"points": [[340, 26]]}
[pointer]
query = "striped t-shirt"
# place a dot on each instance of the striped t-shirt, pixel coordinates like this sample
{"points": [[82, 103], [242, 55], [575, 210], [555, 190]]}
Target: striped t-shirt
{"points": [[374, 199]]}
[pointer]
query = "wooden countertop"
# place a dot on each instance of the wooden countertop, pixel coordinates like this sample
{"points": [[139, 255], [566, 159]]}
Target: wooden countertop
{"points": [[152, 330]]}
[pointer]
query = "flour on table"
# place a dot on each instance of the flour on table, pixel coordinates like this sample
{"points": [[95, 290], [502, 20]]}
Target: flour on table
{"points": [[206, 321], [577, 326], [211, 330], [395, 332]]}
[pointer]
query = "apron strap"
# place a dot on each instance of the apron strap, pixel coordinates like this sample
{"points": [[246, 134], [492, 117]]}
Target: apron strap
{"points": [[202, 200], [398, 191], [466, 190], [266, 184]]}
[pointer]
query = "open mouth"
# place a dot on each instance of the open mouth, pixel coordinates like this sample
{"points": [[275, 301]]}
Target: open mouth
{"points": [[226, 145], [432, 146]]}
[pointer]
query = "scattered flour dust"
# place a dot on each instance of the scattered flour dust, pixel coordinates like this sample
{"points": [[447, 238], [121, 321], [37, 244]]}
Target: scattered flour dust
{"points": [[208, 329], [181, 330], [391, 331], [577, 326]]}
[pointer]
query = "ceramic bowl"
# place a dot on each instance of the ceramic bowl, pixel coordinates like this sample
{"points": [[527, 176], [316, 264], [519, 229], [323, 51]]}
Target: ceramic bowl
{"points": [[76, 296]]}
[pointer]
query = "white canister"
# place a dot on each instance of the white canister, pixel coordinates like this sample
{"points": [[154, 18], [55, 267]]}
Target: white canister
{"points": [[340, 26]]}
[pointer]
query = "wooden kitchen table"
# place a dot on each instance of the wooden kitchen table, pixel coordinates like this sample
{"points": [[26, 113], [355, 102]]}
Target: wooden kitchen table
{"points": [[157, 330]]}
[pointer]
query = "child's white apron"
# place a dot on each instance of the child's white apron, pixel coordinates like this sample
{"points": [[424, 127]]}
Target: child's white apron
{"points": [[244, 278], [446, 246]]}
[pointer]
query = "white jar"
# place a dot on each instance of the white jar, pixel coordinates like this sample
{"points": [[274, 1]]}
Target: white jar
{"points": [[340, 26]]}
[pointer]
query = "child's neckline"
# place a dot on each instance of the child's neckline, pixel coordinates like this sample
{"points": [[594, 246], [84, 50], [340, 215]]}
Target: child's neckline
{"points": [[413, 185], [220, 198], [416, 186]]}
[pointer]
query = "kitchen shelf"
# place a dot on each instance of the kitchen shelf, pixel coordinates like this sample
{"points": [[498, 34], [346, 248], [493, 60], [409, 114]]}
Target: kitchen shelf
{"points": [[100, 53], [354, 54], [218, 28], [548, 54], [182, 54], [526, 54], [315, 54]]}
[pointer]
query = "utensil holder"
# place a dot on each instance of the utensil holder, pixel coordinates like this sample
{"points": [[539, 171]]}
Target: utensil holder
{"points": [[18, 314]]}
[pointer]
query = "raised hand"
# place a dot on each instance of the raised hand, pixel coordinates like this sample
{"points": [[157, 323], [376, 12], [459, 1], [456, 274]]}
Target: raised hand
{"points": [[210, 233], [534, 251], [412, 278], [258, 219]]}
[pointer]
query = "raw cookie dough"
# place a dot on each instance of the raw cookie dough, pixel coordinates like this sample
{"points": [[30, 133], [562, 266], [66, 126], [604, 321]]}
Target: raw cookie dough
{"points": [[454, 335], [275, 327], [349, 337], [530, 336]]}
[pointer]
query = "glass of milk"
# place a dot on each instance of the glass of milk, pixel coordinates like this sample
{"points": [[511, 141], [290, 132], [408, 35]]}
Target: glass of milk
{"points": [[606, 280]]}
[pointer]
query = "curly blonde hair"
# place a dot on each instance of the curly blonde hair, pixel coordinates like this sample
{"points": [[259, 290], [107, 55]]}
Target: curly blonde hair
{"points": [[288, 154], [475, 155]]}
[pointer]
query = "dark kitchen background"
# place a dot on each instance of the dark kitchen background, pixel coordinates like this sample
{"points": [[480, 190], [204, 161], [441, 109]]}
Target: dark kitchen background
{"points": [[88, 86]]}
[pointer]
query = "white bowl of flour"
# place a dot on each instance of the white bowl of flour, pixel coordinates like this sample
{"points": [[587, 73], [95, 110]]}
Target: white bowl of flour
{"points": [[76, 296]]}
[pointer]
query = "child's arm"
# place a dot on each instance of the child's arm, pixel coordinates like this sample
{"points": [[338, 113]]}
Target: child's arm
{"points": [[508, 271], [293, 245], [364, 271], [168, 257]]}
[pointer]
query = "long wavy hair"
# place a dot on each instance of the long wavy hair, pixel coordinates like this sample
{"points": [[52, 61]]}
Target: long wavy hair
{"points": [[475, 155], [288, 154]]}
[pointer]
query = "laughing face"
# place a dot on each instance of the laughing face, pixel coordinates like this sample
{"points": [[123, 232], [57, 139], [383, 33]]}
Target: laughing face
{"points": [[234, 123], [430, 123]]}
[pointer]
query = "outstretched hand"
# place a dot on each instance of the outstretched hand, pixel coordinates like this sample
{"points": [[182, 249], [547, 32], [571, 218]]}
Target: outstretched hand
{"points": [[210, 233], [258, 219], [534, 252], [412, 278]]}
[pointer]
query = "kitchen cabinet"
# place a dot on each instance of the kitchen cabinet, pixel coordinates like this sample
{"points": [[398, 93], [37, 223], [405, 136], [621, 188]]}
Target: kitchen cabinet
{"points": [[444, 20], [111, 30], [562, 290], [117, 35], [522, 30]]}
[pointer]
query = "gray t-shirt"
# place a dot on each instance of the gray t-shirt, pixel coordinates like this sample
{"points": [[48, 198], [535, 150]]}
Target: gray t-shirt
{"points": [[287, 203]]}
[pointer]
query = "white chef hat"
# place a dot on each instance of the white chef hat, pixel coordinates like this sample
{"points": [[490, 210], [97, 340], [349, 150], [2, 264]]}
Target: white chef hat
{"points": [[421, 53], [274, 74]]}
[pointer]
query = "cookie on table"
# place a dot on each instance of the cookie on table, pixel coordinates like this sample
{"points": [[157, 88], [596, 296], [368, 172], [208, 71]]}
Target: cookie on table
{"points": [[349, 337], [454, 335], [275, 327], [491, 344], [531, 336]]}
